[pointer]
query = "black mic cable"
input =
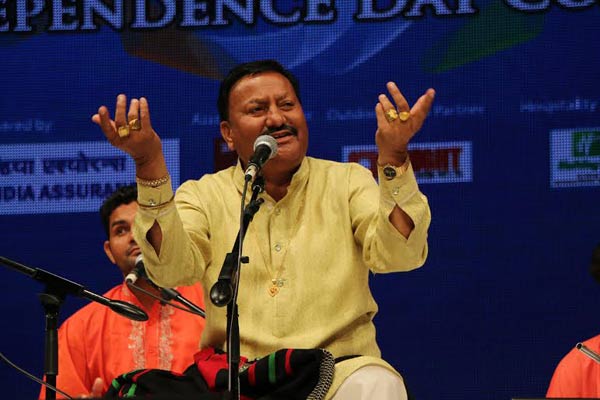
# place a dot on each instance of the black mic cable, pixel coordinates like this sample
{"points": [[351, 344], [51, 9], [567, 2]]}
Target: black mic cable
{"points": [[33, 377]]}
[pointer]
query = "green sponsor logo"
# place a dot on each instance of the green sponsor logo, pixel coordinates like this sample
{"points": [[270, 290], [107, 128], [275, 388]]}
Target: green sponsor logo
{"points": [[585, 143], [576, 165]]}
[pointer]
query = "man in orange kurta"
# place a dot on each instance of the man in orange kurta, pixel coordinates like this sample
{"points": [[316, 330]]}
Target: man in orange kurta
{"points": [[96, 344], [577, 375]]}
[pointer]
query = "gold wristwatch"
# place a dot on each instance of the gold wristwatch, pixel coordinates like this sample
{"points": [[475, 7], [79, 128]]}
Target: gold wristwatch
{"points": [[391, 171]]}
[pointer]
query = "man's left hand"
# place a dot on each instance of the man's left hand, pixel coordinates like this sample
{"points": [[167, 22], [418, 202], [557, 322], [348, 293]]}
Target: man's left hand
{"points": [[397, 123]]}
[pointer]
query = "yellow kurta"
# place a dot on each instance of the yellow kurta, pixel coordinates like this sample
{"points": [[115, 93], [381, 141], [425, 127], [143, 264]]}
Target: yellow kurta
{"points": [[317, 245]]}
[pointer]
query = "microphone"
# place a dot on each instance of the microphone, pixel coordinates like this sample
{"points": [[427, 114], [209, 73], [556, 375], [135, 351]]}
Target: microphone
{"points": [[137, 271], [265, 148], [172, 294], [57, 285], [123, 308], [588, 352]]}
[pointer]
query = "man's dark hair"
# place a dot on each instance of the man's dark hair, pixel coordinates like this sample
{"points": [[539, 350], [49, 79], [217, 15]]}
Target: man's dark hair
{"points": [[250, 68], [123, 195]]}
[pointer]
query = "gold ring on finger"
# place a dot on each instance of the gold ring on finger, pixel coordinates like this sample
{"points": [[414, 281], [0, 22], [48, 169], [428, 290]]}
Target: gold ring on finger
{"points": [[123, 131], [391, 115], [404, 116], [135, 124]]}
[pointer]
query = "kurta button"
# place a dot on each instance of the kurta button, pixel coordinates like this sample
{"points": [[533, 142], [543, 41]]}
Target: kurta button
{"points": [[277, 210], [396, 190], [152, 202], [278, 247]]}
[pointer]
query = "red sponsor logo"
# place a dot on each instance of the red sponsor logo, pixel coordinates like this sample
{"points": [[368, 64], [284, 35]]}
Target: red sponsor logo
{"points": [[428, 162]]}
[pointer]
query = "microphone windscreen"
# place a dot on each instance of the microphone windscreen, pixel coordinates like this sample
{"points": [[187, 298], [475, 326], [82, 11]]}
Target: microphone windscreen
{"points": [[131, 277], [268, 141]]}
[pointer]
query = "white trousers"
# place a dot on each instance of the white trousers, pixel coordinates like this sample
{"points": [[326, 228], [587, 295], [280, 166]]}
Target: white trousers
{"points": [[370, 383]]}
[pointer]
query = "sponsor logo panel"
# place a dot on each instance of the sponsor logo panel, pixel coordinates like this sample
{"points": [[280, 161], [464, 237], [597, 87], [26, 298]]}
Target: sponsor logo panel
{"points": [[434, 162], [67, 177], [575, 157]]}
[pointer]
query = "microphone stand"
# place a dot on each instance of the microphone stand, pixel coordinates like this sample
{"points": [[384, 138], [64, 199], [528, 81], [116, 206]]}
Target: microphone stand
{"points": [[590, 353], [225, 290], [56, 290]]}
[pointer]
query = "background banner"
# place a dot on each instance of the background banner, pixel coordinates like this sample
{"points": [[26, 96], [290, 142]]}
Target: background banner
{"points": [[508, 157]]}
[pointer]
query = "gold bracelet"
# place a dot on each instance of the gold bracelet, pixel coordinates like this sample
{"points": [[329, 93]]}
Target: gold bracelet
{"points": [[153, 183]]}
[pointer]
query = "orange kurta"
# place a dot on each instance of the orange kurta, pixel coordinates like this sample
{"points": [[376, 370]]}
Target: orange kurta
{"points": [[577, 375], [97, 342]]}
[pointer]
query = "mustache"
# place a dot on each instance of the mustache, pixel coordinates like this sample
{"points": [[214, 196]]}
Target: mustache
{"points": [[284, 127]]}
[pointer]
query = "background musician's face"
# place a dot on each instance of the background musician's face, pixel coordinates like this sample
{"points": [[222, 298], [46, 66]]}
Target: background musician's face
{"points": [[120, 247]]}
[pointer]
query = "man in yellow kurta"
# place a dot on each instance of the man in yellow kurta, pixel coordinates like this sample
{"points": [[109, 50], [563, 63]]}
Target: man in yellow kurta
{"points": [[324, 225]]}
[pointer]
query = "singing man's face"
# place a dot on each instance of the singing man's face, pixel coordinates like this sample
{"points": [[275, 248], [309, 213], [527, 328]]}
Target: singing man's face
{"points": [[120, 247], [266, 103]]}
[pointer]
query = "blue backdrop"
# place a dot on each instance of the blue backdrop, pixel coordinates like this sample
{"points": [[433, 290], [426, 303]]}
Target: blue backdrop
{"points": [[509, 158]]}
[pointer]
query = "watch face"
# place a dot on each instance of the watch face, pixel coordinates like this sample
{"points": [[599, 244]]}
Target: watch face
{"points": [[389, 172]]}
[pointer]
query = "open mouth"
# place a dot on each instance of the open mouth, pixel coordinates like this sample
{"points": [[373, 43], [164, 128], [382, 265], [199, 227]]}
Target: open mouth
{"points": [[282, 131], [282, 134]]}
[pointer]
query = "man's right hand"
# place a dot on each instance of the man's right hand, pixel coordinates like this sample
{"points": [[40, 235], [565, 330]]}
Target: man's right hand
{"points": [[141, 142], [96, 391]]}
